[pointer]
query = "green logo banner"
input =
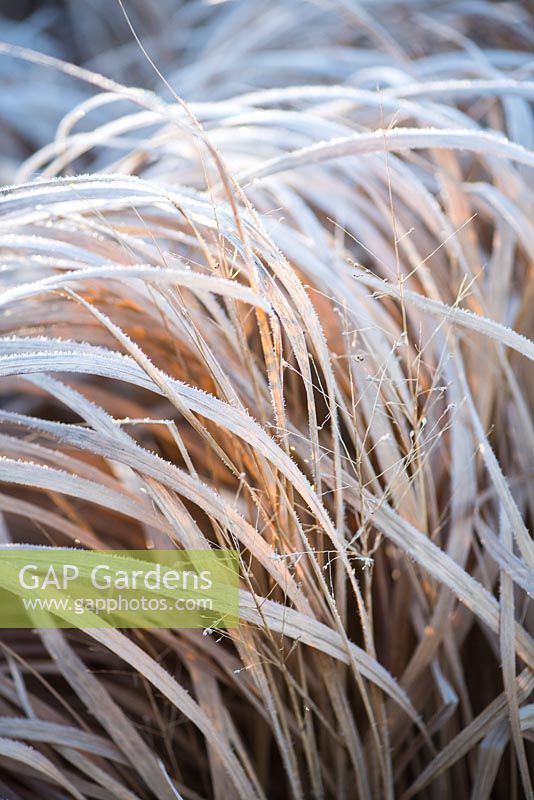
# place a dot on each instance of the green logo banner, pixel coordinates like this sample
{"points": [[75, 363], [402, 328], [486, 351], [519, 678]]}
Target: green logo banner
{"points": [[45, 587]]}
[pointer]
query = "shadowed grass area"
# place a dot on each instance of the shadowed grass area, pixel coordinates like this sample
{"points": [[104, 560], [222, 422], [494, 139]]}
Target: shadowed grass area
{"points": [[279, 300]]}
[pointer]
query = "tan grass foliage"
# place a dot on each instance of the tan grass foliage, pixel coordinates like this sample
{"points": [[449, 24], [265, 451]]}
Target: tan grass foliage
{"points": [[279, 299]]}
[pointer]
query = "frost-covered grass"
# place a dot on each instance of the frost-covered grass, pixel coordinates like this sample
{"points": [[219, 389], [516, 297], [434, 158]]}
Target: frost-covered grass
{"points": [[278, 299]]}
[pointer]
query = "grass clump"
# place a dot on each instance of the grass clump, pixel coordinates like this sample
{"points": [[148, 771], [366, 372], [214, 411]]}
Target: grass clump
{"points": [[278, 300]]}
